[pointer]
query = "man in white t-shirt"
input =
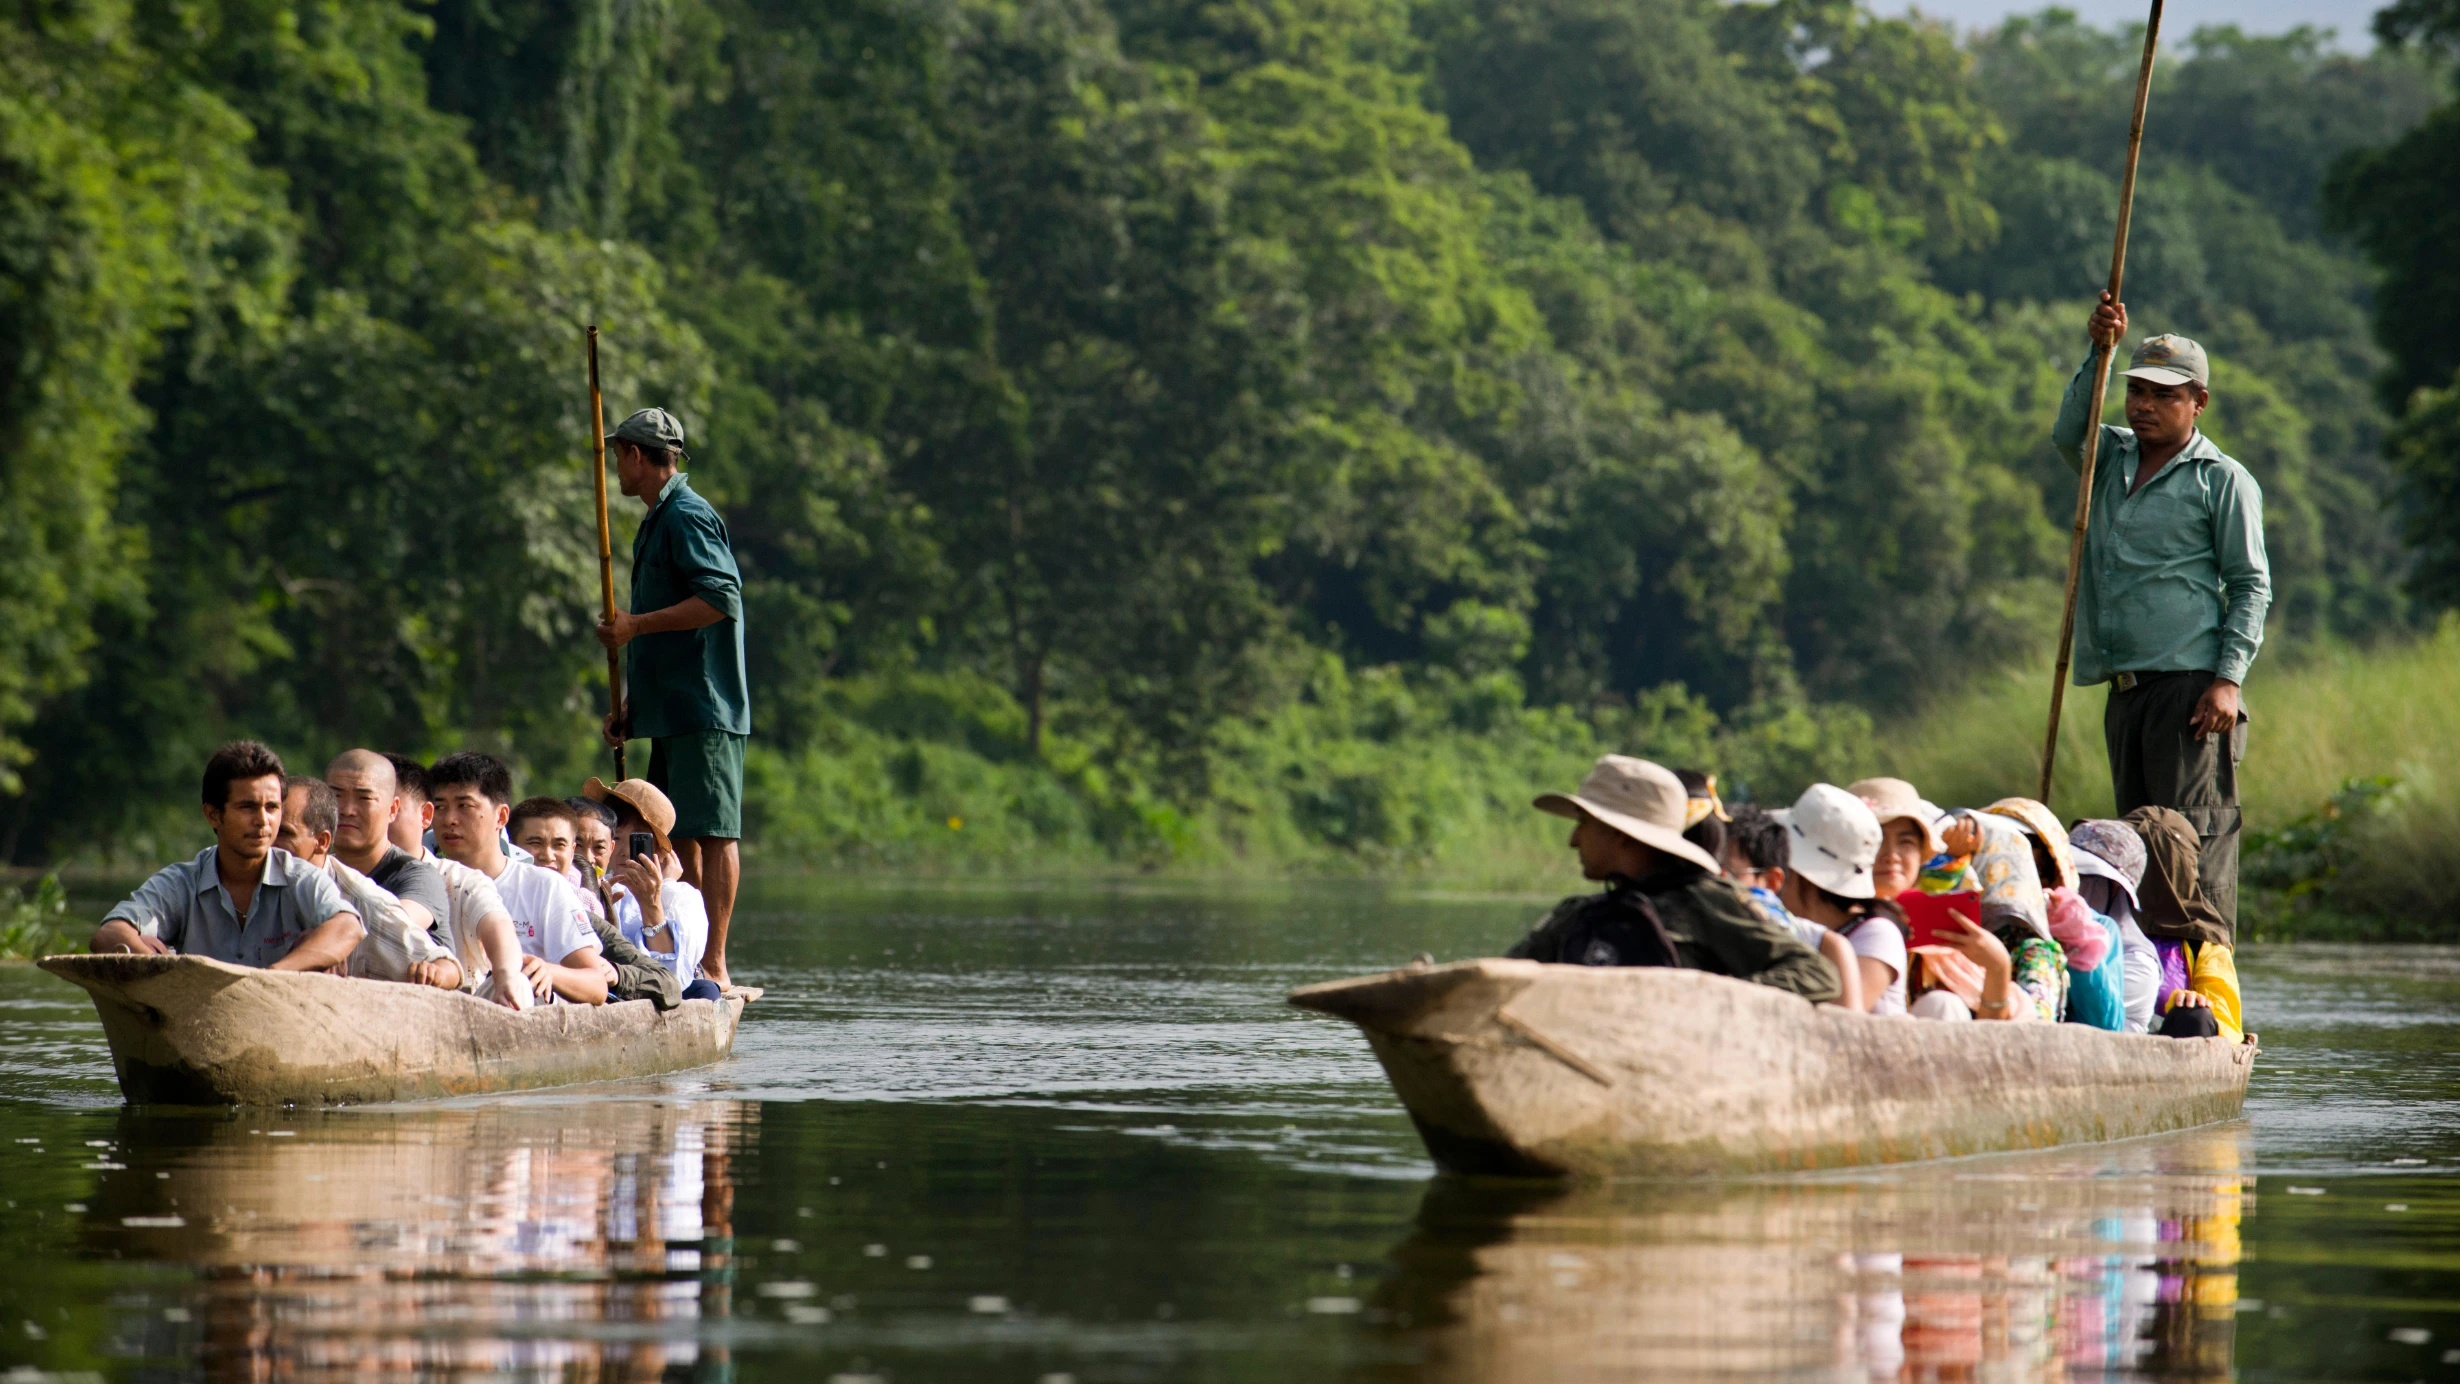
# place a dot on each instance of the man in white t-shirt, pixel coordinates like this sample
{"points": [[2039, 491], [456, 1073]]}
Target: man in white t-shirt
{"points": [[472, 794], [654, 909], [477, 929]]}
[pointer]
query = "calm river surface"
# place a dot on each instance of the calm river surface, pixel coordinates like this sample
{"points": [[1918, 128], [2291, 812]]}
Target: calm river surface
{"points": [[1074, 1134]]}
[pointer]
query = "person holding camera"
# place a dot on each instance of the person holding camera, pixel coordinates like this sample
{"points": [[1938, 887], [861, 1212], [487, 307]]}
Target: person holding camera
{"points": [[653, 908]]}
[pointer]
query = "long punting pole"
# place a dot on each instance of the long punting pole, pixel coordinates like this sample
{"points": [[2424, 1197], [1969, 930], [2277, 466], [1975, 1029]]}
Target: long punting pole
{"points": [[2101, 385], [606, 532]]}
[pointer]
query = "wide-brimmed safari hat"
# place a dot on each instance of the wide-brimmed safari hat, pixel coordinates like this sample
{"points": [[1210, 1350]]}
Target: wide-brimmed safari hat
{"points": [[1832, 839], [1894, 800], [1644, 801], [644, 798]]}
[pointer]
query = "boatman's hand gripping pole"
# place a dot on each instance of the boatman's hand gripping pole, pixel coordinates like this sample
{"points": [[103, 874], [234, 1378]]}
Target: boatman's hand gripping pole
{"points": [[606, 537], [2102, 351]]}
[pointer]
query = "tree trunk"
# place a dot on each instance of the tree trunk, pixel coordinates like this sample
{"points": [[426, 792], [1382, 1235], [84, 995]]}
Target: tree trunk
{"points": [[1033, 707]]}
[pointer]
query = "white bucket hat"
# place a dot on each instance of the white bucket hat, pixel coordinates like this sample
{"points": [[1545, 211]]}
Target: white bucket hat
{"points": [[1832, 839], [1894, 800], [1644, 801]]}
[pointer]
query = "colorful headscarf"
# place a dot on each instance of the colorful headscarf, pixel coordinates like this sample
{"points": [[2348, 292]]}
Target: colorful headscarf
{"points": [[2003, 873], [2077, 930], [2043, 825]]}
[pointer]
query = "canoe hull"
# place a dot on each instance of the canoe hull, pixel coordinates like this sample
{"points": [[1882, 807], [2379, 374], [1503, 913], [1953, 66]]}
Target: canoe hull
{"points": [[185, 1030], [1514, 1068]]}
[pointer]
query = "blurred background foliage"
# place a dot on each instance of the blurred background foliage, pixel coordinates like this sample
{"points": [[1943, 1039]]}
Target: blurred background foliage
{"points": [[1260, 430]]}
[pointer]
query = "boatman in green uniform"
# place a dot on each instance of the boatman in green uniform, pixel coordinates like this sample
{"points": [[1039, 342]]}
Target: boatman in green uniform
{"points": [[684, 686], [2170, 601]]}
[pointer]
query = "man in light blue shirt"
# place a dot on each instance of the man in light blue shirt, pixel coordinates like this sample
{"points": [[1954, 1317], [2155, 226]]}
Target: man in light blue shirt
{"points": [[242, 900], [2171, 597]]}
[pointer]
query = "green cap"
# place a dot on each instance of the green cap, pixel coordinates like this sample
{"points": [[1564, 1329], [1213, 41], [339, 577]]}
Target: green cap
{"points": [[2170, 360], [651, 427]]}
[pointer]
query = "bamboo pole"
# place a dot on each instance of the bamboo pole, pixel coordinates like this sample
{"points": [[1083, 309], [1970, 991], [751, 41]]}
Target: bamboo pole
{"points": [[606, 545], [2102, 352]]}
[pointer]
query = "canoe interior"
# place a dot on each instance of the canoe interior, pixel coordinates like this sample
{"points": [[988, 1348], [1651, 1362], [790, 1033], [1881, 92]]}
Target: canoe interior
{"points": [[1512, 1068], [185, 1030]]}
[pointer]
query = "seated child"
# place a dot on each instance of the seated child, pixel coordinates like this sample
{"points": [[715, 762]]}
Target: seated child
{"points": [[1987, 953], [2198, 968], [1832, 844], [2089, 940], [2110, 861], [1755, 859]]}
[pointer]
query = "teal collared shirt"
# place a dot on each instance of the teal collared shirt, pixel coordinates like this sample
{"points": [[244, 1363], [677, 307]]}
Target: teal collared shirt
{"points": [[679, 681], [186, 908], [2174, 577]]}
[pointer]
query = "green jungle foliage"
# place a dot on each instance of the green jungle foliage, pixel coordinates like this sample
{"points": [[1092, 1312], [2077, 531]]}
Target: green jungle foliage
{"points": [[1151, 431], [34, 919], [2397, 203]]}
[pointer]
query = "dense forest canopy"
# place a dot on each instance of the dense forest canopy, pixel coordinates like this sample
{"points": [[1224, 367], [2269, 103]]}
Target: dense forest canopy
{"points": [[1104, 387]]}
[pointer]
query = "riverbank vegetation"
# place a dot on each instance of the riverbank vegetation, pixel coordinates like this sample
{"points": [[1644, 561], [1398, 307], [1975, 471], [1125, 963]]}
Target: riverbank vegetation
{"points": [[1233, 436]]}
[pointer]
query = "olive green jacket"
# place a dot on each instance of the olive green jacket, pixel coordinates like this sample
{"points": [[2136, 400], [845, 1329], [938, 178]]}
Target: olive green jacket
{"points": [[638, 976], [1712, 926]]}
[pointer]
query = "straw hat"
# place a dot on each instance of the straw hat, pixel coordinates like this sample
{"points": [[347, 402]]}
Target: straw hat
{"points": [[643, 797], [2042, 825], [1894, 800], [1832, 839], [1644, 801]]}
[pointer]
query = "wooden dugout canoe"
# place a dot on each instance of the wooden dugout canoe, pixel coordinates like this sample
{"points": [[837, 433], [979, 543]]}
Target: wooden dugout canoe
{"points": [[1515, 1068], [186, 1030]]}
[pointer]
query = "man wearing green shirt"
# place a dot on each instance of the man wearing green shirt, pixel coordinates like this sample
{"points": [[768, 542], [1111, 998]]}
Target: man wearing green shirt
{"points": [[2171, 599], [684, 685]]}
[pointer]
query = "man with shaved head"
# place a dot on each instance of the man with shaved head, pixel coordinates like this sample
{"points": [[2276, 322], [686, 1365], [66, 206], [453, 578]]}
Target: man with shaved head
{"points": [[383, 813], [368, 800]]}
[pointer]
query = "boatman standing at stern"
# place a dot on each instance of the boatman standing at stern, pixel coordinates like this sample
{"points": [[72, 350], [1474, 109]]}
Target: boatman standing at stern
{"points": [[2171, 599], [684, 685]]}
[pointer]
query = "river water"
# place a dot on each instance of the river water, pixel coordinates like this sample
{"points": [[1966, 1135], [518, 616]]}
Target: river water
{"points": [[1074, 1135]]}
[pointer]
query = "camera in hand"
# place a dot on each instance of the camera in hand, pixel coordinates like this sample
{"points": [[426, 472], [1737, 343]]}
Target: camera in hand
{"points": [[643, 846]]}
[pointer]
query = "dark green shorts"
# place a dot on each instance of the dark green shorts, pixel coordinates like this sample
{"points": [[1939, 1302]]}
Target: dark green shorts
{"points": [[701, 772]]}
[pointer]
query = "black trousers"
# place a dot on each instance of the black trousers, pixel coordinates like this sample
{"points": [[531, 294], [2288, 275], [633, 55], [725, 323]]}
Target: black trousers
{"points": [[2156, 761]]}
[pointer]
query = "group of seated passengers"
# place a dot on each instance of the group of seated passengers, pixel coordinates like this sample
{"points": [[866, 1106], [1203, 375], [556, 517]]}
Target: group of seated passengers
{"points": [[1871, 898], [390, 870]]}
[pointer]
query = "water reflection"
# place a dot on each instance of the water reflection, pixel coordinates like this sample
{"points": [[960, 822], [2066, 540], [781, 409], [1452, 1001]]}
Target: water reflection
{"points": [[568, 1240], [2121, 1258]]}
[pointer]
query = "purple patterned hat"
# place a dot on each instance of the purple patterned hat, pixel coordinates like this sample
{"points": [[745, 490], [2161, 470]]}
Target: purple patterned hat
{"points": [[2113, 845]]}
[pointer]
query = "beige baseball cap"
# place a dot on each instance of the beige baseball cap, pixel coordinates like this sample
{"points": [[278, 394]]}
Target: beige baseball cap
{"points": [[2169, 359], [1644, 801]]}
